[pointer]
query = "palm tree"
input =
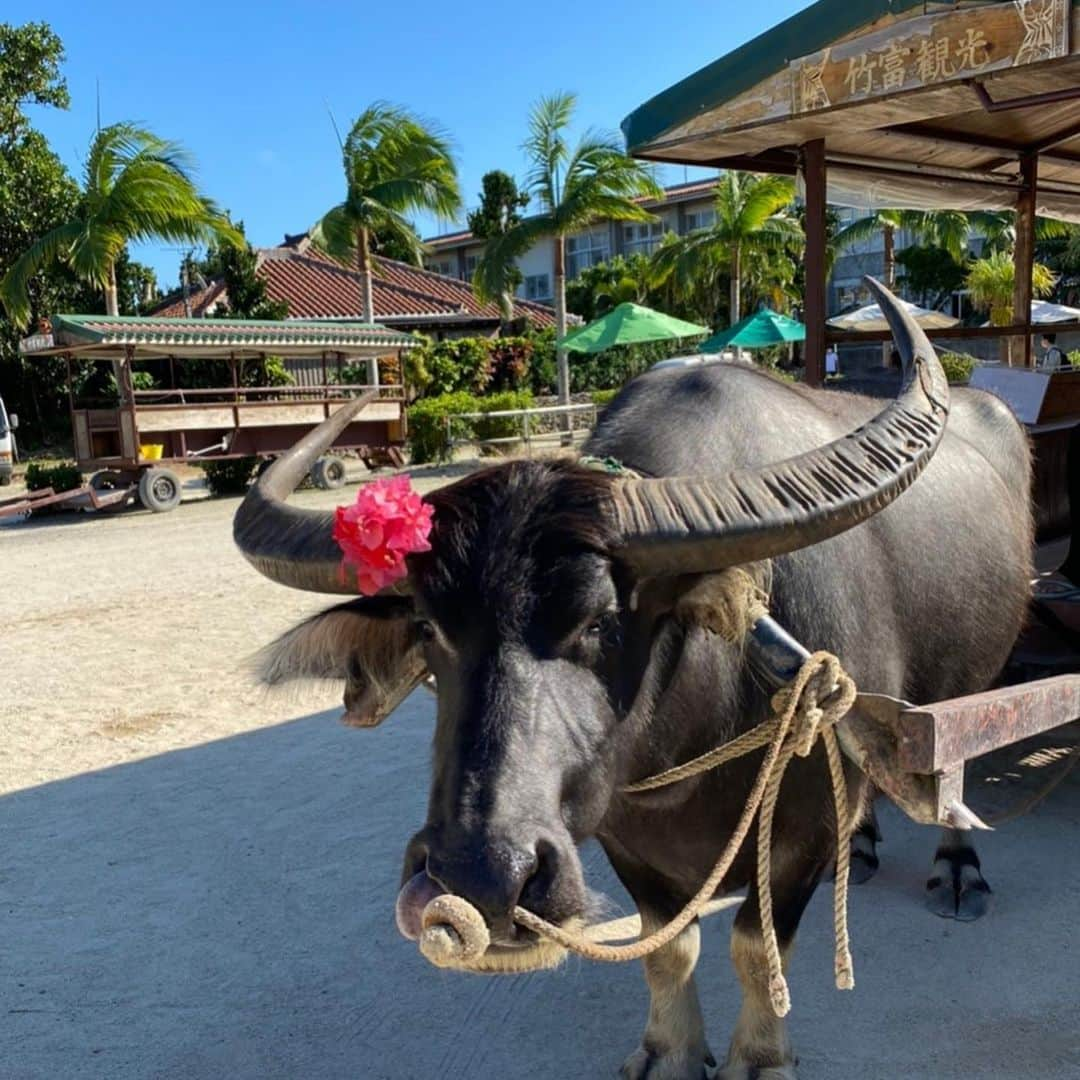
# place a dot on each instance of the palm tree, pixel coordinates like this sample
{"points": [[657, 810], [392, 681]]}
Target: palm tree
{"points": [[394, 163], [136, 187], [753, 225], [990, 284], [574, 188]]}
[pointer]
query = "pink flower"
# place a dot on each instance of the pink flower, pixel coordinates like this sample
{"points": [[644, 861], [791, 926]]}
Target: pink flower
{"points": [[387, 522]]}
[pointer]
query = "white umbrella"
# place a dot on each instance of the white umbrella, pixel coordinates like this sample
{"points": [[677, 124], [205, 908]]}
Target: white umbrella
{"points": [[1042, 311], [870, 318]]}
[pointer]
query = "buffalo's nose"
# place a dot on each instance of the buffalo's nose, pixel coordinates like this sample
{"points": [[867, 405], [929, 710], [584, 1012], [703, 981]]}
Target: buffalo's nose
{"points": [[491, 876]]}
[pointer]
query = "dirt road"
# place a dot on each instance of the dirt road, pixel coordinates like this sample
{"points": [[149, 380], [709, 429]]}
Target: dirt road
{"points": [[197, 880]]}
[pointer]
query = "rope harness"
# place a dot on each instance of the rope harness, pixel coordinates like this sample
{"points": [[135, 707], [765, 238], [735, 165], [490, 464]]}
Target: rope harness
{"points": [[807, 710]]}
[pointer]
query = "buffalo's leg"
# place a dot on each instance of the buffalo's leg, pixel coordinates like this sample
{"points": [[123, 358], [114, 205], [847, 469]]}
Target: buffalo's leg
{"points": [[956, 888], [673, 1046], [864, 842]]}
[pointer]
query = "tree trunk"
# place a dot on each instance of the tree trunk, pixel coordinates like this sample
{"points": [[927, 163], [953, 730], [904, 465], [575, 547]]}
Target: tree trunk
{"points": [[112, 307], [112, 293], [363, 263], [735, 292], [561, 355], [506, 307]]}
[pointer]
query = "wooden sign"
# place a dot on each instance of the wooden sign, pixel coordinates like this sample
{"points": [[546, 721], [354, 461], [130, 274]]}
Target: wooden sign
{"points": [[929, 50]]}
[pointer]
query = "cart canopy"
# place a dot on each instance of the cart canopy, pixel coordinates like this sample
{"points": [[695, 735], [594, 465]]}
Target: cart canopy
{"points": [[111, 336]]}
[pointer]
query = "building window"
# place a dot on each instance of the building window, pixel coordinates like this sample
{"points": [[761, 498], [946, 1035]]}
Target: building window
{"points": [[537, 287], [470, 266], [440, 267], [700, 219], [586, 250], [642, 237]]}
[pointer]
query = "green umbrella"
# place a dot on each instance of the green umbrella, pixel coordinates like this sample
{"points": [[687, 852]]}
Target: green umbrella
{"points": [[628, 324], [757, 331]]}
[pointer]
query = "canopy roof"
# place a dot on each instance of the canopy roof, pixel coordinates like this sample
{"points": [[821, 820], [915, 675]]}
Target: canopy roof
{"points": [[757, 331], [923, 105], [629, 324], [871, 318], [113, 335]]}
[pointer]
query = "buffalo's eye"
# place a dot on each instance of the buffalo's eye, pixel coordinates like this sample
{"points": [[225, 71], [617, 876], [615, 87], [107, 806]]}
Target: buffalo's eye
{"points": [[425, 630], [604, 630]]}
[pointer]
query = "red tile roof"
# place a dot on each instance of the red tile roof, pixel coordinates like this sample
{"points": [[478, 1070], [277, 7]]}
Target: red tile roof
{"points": [[203, 302], [318, 287]]}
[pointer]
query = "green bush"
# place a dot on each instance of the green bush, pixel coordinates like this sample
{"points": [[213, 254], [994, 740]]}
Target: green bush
{"points": [[600, 398], [510, 362], [1074, 359], [64, 476], [957, 366], [428, 430], [501, 427], [230, 476]]}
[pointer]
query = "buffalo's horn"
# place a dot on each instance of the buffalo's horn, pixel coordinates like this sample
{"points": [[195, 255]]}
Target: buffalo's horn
{"points": [[286, 544], [680, 525]]}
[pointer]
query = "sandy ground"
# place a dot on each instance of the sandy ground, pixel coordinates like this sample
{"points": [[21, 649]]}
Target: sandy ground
{"points": [[197, 880]]}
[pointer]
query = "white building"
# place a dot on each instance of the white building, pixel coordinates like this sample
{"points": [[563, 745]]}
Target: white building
{"points": [[685, 207]]}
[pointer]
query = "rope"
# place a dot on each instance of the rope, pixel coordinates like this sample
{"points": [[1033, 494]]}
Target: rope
{"points": [[819, 696]]}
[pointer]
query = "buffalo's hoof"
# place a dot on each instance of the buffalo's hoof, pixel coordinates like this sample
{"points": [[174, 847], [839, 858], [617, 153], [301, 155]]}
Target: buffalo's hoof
{"points": [[957, 891], [646, 1064], [864, 859], [757, 1072]]}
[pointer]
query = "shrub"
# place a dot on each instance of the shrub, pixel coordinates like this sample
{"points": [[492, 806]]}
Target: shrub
{"points": [[510, 358], [501, 427], [1074, 359], [428, 429], [600, 398], [957, 366], [230, 476], [63, 476]]}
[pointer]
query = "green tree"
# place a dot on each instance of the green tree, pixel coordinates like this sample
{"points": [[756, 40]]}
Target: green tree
{"points": [[137, 187], [501, 203], [754, 226], [574, 187], [598, 289], [990, 285], [30, 59], [929, 274], [245, 290], [394, 163]]}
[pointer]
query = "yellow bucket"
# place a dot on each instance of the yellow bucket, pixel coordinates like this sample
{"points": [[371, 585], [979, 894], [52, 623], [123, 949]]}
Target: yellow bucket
{"points": [[151, 451]]}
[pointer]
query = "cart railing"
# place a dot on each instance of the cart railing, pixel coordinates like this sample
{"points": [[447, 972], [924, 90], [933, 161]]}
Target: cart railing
{"points": [[230, 394], [549, 424]]}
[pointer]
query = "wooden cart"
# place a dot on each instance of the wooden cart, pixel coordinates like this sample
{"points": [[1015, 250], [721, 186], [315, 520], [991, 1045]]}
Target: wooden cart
{"points": [[128, 444]]}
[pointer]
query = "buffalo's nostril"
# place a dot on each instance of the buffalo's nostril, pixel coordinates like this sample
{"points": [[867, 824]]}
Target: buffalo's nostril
{"points": [[541, 881], [490, 876]]}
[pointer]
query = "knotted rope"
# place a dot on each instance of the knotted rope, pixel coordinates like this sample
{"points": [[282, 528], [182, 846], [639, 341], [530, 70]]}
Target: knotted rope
{"points": [[819, 696]]}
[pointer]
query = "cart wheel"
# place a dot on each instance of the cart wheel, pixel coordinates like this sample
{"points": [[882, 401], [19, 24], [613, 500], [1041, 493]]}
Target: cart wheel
{"points": [[159, 490], [107, 480], [328, 472]]}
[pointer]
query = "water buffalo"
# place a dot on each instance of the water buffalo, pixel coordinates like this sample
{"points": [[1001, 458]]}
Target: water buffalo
{"points": [[556, 612]]}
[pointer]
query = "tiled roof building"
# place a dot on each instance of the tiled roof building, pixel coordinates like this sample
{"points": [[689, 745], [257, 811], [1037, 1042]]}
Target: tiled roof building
{"points": [[406, 297]]}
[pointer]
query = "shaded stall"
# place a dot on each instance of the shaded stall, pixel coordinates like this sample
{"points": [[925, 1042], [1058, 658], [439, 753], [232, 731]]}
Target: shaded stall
{"points": [[912, 105], [128, 442], [916, 105]]}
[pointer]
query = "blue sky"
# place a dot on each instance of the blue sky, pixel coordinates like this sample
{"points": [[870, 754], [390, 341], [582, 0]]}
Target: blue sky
{"points": [[246, 86]]}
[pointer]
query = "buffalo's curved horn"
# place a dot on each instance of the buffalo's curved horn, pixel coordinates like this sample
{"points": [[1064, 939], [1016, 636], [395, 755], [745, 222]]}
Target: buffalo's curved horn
{"points": [[680, 525], [286, 544]]}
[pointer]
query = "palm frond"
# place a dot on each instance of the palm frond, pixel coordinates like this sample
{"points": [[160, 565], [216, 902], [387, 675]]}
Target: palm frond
{"points": [[53, 246], [546, 146], [494, 270]]}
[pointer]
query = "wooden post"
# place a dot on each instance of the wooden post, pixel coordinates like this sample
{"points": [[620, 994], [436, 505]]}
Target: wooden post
{"points": [[1024, 252], [814, 309]]}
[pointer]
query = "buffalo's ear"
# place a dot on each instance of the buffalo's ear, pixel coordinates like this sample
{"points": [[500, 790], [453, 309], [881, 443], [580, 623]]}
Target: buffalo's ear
{"points": [[371, 644]]}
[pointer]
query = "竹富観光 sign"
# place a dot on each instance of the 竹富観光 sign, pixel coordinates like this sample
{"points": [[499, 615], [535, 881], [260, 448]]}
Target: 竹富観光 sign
{"points": [[929, 50]]}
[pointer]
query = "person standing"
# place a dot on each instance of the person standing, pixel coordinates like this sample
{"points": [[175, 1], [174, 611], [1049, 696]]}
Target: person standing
{"points": [[1052, 358], [832, 361]]}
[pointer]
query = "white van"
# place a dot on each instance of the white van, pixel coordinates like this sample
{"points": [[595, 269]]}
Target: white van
{"points": [[8, 424]]}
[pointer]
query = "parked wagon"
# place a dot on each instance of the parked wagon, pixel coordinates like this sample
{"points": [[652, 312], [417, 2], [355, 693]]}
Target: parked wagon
{"points": [[128, 444]]}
